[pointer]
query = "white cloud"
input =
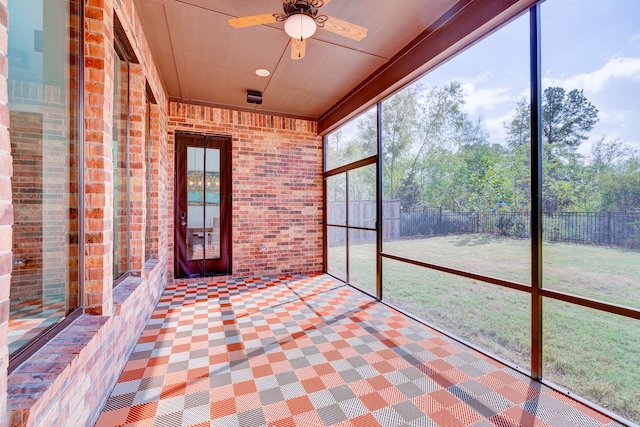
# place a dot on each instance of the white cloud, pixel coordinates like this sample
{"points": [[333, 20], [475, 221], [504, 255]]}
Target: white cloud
{"points": [[486, 99], [495, 127], [636, 38], [595, 81], [480, 78]]}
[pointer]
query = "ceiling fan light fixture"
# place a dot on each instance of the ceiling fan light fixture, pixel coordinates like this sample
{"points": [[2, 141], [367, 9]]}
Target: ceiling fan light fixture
{"points": [[300, 26]]}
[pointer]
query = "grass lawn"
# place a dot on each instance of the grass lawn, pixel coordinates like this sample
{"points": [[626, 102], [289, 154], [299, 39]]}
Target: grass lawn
{"points": [[594, 354]]}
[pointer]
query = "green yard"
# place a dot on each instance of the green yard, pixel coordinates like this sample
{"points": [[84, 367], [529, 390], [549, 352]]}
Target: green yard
{"points": [[594, 354]]}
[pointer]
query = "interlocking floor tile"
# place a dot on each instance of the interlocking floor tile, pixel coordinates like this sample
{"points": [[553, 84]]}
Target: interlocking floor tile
{"points": [[310, 351]]}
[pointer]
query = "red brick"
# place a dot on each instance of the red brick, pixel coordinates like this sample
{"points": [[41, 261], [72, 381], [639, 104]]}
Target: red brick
{"points": [[263, 178]]}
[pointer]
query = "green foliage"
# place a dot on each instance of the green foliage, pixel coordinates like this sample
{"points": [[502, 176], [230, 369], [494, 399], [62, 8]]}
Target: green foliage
{"points": [[566, 117], [435, 155], [621, 186], [409, 191], [519, 130]]}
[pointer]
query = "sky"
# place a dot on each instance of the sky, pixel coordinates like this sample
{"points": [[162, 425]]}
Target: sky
{"points": [[586, 44]]}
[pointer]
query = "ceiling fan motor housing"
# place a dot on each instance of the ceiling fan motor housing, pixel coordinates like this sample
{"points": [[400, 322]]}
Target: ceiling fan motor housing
{"points": [[302, 6]]}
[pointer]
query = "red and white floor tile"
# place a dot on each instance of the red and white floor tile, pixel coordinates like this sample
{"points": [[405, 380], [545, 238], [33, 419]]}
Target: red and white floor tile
{"points": [[311, 351]]}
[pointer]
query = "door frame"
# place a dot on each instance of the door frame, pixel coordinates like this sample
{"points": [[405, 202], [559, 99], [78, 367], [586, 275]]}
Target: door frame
{"points": [[183, 268]]}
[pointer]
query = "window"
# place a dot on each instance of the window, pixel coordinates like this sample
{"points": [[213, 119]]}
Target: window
{"points": [[43, 88], [121, 197]]}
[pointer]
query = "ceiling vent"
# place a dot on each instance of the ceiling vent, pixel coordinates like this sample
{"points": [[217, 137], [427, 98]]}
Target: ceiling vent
{"points": [[254, 97]]}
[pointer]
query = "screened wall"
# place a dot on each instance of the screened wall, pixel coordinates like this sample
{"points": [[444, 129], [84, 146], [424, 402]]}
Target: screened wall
{"points": [[497, 198]]}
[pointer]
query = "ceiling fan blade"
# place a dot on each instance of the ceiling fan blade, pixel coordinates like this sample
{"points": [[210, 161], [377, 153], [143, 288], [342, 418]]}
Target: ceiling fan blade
{"points": [[247, 21], [298, 48], [344, 28]]}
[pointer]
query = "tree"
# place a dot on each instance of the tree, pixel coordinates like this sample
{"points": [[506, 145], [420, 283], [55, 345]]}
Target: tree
{"points": [[418, 126], [566, 117], [398, 125], [605, 154], [409, 191], [519, 130], [621, 187], [443, 129]]}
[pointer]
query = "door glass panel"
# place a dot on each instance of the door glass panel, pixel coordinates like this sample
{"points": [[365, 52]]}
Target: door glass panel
{"points": [[337, 199], [203, 200], [362, 197], [362, 260], [337, 252], [212, 203]]}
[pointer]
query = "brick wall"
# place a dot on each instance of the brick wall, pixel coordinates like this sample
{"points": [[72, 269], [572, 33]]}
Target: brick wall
{"points": [[158, 176], [277, 202], [76, 370], [98, 185], [277, 187], [68, 380]]}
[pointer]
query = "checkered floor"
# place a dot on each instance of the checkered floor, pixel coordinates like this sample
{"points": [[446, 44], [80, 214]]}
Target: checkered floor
{"points": [[300, 351]]}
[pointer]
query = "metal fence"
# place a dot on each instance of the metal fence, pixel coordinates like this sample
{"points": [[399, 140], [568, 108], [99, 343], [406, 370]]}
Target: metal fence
{"points": [[362, 213], [590, 228]]}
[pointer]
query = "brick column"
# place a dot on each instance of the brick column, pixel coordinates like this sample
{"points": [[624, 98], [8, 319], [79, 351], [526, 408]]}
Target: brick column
{"points": [[98, 98], [6, 212], [156, 178]]}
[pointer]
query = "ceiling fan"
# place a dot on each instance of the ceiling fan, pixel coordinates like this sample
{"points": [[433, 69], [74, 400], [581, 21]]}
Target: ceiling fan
{"points": [[301, 19]]}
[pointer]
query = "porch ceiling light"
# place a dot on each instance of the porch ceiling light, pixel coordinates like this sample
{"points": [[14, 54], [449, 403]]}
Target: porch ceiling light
{"points": [[300, 26]]}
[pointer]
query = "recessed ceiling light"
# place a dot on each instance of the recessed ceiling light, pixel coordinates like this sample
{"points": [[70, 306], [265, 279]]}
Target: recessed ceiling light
{"points": [[262, 72]]}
